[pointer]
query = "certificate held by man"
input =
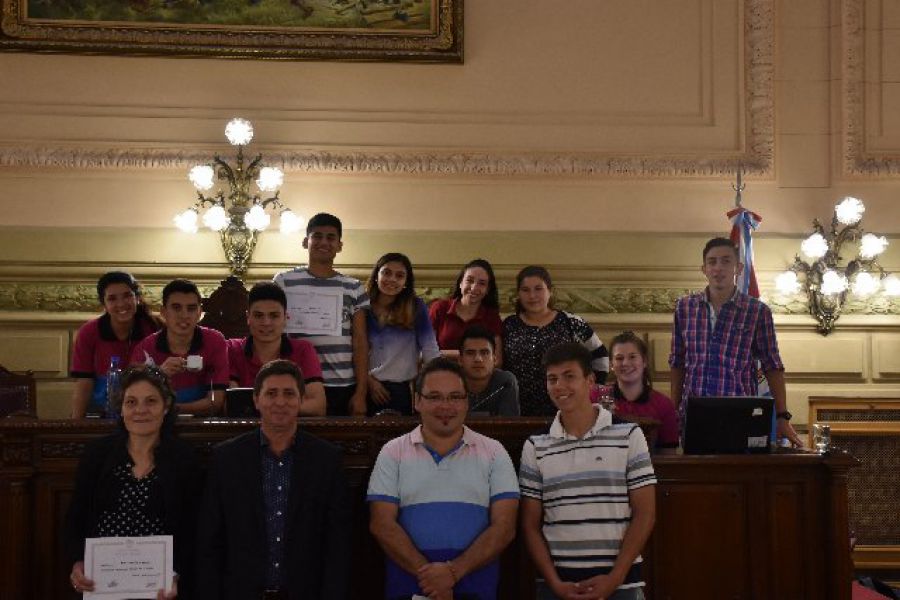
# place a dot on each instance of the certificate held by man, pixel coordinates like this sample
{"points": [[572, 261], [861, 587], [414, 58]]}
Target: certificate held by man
{"points": [[128, 567], [315, 312]]}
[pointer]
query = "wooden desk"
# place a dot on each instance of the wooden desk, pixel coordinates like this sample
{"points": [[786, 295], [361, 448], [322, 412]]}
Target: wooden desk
{"points": [[742, 527]]}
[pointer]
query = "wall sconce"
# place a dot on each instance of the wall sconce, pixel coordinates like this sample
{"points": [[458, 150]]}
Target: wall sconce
{"points": [[827, 283], [237, 215]]}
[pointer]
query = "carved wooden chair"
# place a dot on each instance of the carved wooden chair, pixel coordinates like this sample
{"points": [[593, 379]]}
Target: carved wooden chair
{"points": [[18, 394], [226, 308]]}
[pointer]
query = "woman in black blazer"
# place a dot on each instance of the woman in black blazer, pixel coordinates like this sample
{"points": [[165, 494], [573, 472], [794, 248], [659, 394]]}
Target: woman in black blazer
{"points": [[139, 481]]}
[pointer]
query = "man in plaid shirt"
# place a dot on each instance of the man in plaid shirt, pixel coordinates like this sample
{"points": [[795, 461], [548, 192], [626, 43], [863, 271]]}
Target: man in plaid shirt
{"points": [[720, 333]]}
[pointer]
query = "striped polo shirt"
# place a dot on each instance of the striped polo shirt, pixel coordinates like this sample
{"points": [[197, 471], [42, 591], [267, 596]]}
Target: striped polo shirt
{"points": [[583, 484], [444, 502], [335, 352]]}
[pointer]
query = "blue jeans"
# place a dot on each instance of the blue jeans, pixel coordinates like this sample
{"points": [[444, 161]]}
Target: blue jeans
{"points": [[545, 593]]}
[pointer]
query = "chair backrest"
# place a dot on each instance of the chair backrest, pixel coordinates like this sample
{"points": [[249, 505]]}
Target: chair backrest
{"points": [[18, 395], [226, 308]]}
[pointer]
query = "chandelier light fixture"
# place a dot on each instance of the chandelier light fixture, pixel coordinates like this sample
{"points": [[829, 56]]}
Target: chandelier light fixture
{"points": [[825, 280], [233, 211]]}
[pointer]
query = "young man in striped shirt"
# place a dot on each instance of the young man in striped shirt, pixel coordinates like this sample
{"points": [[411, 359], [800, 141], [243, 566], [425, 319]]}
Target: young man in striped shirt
{"points": [[325, 308], [588, 491]]}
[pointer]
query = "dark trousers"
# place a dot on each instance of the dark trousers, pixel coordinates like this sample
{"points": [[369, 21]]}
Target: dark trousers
{"points": [[337, 399], [401, 399]]}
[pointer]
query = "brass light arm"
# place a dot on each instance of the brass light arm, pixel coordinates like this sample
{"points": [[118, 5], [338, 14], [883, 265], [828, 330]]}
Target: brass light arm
{"points": [[235, 211]]}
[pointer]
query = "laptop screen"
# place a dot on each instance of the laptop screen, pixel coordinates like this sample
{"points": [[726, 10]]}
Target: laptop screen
{"points": [[728, 425]]}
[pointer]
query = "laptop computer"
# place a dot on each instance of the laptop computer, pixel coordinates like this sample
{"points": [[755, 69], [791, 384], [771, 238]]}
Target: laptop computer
{"points": [[239, 404], [728, 425]]}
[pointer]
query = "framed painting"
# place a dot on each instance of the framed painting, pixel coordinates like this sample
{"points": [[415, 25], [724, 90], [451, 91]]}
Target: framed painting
{"points": [[412, 30]]}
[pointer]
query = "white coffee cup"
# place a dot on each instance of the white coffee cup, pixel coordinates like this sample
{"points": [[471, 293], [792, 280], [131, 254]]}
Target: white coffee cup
{"points": [[194, 363]]}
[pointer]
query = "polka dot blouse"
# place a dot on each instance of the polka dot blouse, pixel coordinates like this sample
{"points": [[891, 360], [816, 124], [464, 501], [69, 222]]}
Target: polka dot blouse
{"points": [[130, 517]]}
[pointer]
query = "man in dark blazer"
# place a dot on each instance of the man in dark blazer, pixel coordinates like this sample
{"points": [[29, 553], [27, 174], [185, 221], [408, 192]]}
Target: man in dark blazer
{"points": [[275, 522]]}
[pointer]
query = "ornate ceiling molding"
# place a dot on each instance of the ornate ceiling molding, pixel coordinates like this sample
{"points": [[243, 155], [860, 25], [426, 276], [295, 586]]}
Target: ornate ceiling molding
{"points": [[756, 157], [856, 159]]}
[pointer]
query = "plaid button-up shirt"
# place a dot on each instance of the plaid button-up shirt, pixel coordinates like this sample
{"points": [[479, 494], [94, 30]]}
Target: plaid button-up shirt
{"points": [[718, 352]]}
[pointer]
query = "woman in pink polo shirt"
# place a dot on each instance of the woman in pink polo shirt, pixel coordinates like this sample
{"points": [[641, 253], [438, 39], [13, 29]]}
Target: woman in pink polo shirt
{"points": [[475, 301], [125, 321]]}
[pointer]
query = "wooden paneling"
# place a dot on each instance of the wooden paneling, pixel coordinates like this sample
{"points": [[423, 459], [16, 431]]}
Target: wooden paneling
{"points": [[714, 507], [742, 527]]}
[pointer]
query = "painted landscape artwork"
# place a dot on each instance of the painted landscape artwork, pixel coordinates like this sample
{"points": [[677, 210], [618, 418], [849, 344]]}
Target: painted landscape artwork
{"points": [[357, 30], [384, 15]]}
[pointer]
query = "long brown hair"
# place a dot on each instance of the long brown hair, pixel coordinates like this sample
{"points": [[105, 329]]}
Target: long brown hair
{"points": [[402, 311], [492, 296]]}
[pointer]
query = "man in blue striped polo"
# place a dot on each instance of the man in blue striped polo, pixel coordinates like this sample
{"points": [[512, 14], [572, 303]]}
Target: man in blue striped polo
{"points": [[442, 498], [588, 491]]}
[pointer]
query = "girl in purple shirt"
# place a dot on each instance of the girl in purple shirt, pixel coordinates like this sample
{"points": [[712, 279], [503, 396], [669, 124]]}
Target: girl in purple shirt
{"points": [[399, 333]]}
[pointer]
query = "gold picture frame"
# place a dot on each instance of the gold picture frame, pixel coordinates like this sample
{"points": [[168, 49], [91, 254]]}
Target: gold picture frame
{"points": [[365, 30]]}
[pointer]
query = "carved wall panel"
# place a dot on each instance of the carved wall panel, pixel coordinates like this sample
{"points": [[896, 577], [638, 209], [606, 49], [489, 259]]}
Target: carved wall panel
{"points": [[841, 355], [871, 87], [704, 102], [886, 356], [41, 351]]}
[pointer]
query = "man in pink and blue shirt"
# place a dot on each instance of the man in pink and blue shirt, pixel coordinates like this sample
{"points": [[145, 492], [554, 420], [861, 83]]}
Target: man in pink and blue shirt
{"points": [[443, 498]]}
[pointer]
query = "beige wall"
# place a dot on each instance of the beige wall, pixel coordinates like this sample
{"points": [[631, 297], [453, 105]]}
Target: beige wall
{"points": [[633, 97], [618, 121]]}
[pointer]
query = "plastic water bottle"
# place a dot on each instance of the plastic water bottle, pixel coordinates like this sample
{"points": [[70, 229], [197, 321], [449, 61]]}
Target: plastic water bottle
{"points": [[113, 384]]}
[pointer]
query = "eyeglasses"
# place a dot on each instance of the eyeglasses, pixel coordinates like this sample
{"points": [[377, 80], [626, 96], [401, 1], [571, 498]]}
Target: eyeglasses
{"points": [[449, 399]]}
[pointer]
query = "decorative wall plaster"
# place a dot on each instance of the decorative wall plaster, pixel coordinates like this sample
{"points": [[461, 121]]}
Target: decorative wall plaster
{"points": [[756, 158], [598, 299], [856, 159], [71, 297]]}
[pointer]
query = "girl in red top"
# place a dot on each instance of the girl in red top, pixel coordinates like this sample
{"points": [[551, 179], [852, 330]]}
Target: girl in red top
{"points": [[633, 391], [475, 301], [125, 321]]}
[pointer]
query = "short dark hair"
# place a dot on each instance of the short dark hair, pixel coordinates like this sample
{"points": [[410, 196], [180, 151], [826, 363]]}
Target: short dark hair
{"points": [[108, 279], [267, 290], [478, 332], [532, 271], [180, 286], [492, 296], [565, 352], [155, 377], [324, 220], [720, 242], [436, 365], [278, 366]]}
